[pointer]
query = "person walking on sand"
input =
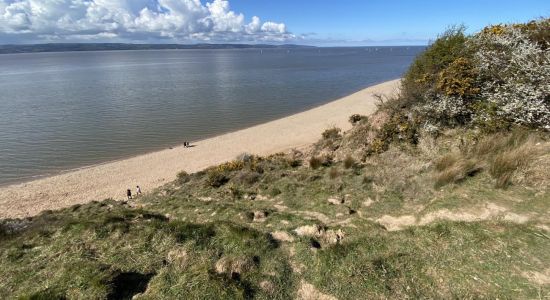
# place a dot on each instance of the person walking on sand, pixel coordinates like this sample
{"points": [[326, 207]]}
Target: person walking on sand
{"points": [[129, 194], [138, 191]]}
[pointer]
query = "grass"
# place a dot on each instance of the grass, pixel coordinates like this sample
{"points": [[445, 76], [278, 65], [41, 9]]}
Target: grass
{"points": [[194, 239], [501, 154]]}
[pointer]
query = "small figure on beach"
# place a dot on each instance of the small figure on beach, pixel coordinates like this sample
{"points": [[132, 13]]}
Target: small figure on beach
{"points": [[129, 194], [138, 190], [186, 144]]}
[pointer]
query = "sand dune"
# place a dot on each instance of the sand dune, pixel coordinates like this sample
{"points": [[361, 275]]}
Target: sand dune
{"points": [[152, 170]]}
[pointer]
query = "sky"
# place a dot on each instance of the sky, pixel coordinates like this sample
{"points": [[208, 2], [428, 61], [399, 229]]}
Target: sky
{"points": [[311, 22]]}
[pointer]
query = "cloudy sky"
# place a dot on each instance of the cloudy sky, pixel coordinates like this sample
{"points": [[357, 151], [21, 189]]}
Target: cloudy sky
{"points": [[318, 22]]}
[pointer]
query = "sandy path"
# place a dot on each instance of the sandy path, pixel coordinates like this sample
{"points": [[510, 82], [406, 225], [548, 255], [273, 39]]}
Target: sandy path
{"points": [[152, 170]]}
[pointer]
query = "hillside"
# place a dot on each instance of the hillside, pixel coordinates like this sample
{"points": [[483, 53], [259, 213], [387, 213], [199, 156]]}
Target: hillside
{"points": [[443, 193]]}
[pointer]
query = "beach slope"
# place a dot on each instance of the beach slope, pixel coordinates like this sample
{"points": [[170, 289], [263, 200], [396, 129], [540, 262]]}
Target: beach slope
{"points": [[154, 169]]}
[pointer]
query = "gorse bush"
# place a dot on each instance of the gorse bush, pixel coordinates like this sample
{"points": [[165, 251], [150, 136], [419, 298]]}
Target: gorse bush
{"points": [[422, 75]]}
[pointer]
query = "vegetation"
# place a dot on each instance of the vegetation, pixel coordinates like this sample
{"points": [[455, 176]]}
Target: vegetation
{"points": [[424, 199]]}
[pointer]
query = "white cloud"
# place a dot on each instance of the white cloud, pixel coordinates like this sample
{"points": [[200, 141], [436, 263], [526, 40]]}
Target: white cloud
{"points": [[131, 20]]}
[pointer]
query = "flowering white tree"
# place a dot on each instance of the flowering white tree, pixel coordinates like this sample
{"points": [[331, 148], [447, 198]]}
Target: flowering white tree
{"points": [[515, 75]]}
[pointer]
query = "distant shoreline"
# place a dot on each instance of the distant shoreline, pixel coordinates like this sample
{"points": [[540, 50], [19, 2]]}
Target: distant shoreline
{"points": [[87, 47], [152, 170], [81, 47]]}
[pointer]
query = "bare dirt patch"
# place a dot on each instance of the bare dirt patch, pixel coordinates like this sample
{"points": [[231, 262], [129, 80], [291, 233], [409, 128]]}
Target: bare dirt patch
{"points": [[309, 292]]}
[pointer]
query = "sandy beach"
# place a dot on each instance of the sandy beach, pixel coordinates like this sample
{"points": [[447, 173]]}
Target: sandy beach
{"points": [[155, 169]]}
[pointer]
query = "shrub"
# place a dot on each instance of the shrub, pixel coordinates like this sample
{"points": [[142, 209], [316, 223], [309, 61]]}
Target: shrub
{"points": [[356, 118], [216, 177], [334, 173], [421, 76], [349, 162], [515, 67], [492, 79], [315, 162], [459, 79], [332, 133], [247, 177], [183, 177]]}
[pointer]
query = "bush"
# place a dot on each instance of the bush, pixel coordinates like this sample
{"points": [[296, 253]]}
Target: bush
{"points": [[216, 178], [515, 67], [332, 133], [183, 177], [492, 79], [349, 162], [422, 75], [247, 177], [356, 118], [315, 162], [334, 173]]}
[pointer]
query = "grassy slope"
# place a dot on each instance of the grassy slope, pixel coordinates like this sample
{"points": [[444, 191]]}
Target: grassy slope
{"points": [[193, 240]]}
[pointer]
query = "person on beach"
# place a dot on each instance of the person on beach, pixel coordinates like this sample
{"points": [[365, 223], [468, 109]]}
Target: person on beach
{"points": [[138, 191], [129, 194]]}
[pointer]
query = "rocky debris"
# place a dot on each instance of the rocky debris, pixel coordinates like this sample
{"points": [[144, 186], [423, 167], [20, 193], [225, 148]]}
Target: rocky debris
{"points": [[261, 198], [178, 257], [282, 236], [336, 200], [325, 237], [233, 266], [205, 199], [251, 197], [309, 292], [259, 216], [279, 207], [309, 230], [368, 202], [267, 286], [332, 237], [391, 223]]}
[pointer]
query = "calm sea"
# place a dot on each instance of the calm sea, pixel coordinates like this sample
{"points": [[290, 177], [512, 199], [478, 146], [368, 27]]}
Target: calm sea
{"points": [[60, 111]]}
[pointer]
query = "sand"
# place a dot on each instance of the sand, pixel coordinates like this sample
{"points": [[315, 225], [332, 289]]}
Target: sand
{"points": [[155, 169]]}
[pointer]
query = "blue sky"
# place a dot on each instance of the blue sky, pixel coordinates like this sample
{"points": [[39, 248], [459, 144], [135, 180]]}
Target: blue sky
{"points": [[358, 20], [316, 22]]}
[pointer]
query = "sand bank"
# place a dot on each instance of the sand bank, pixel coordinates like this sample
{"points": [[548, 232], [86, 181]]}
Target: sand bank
{"points": [[152, 170]]}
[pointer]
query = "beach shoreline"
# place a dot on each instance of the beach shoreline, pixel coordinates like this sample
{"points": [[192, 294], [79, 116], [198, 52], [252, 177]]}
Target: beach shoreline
{"points": [[152, 170]]}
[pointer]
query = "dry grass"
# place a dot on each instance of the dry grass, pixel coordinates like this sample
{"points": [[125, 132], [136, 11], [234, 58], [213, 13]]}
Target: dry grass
{"points": [[455, 171], [505, 164], [315, 162], [349, 162], [334, 173], [502, 154]]}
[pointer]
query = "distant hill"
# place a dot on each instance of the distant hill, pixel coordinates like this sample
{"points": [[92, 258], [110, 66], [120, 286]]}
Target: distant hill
{"points": [[64, 47]]}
